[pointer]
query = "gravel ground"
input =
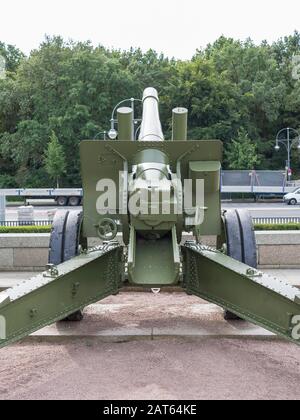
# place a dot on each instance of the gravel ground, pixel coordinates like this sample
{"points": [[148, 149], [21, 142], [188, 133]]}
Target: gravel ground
{"points": [[163, 368], [160, 369]]}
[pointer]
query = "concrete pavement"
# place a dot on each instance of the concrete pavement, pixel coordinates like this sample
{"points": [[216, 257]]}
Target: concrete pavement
{"points": [[12, 278], [145, 316]]}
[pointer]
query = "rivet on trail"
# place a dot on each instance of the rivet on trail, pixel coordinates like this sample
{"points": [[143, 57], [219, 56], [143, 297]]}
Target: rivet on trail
{"points": [[33, 312]]}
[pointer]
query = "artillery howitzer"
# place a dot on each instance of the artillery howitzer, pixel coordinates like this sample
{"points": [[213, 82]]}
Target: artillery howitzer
{"points": [[147, 194]]}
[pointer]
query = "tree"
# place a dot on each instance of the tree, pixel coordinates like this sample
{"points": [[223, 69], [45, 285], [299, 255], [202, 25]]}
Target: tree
{"points": [[55, 161], [12, 55], [242, 152], [71, 88]]}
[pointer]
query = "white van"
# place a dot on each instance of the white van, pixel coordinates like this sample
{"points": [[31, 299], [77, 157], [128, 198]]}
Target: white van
{"points": [[292, 198]]}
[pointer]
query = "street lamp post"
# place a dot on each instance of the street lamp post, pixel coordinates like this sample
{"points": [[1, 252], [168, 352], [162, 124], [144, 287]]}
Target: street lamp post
{"points": [[103, 133], [288, 141], [112, 133]]}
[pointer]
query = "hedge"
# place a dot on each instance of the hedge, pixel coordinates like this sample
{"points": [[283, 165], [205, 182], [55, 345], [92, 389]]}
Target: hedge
{"points": [[283, 226], [47, 229], [25, 229]]}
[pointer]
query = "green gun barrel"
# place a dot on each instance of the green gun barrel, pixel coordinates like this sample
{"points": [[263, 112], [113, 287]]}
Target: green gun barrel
{"points": [[125, 123], [179, 124]]}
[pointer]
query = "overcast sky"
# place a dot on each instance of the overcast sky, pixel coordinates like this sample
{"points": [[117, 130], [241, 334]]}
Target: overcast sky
{"points": [[174, 27]]}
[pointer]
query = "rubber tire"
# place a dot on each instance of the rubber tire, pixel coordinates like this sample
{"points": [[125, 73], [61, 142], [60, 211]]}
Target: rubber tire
{"points": [[293, 202], [74, 201], [249, 253], [241, 242], [64, 243], [62, 201]]}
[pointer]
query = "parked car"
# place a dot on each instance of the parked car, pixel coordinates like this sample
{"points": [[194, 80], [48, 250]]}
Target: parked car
{"points": [[292, 198]]}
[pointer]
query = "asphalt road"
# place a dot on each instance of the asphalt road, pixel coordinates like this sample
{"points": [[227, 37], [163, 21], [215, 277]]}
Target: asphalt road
{"points": [[266, 209]]}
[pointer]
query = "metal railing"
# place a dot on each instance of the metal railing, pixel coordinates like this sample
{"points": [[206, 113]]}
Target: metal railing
{"points": [[275, 220], [256, 220], [13, 223]]}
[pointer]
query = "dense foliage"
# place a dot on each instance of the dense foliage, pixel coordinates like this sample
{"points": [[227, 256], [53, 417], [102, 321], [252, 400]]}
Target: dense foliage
{"points": [[235, 91]]}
